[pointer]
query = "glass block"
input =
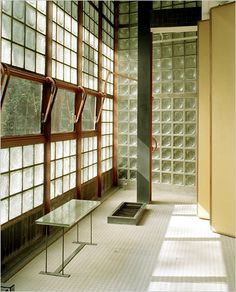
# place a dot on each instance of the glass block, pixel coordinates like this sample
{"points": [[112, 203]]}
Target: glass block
{"points": [[38, 153], [6, 51], [156, 129], [53, 150], [52, 172], [59, 168], [166, 103], [190, 48], [189, 180], [178, 154], [6, 26], [123, 105], [166, 51], [133, 151], [190, 73], [30, 16], [122, 174], [133, 117], [190, 116], [166, 153], [178, 87], [66, 183], [27, 200], [123, 151], [166, 166], [72, 147], [59, 149], [15, 158], [178, 103], [178, 62], [155, 177], [178, 166], [4, 211], [7, 6], [190, 142], [189, 167], [133, 128], [190, 154], [166, 63], [28, 176], [124, 7], [166, 129], [178, 116], [155, 165], [4, 160], [178, 179], [166, 178], [156, 77], [123, 33], [38, 196], [18, 32], [133, 90], [123, 162], [72, 164], [4, 190], [178, 74], [156, 154], [38, 175], [19, 10], [72, 180], [156, 65], [190, 129], [123, 44], [40, 64], [155, 104], [156, 88], [190, 86], [178, 49], [178, 129], [58, 186], [122, 139], [29, 60], [133, 140], [190, 103], [190, 62], [133, 174], [156, 52], [178, 141], [133, 43], [123, 116], [166, 116], [166, 141], [15, 206]]}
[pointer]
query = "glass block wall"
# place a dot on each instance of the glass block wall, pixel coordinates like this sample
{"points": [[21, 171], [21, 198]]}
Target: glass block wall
{"points": [[21, 180], [174, 108], [127, 90]]}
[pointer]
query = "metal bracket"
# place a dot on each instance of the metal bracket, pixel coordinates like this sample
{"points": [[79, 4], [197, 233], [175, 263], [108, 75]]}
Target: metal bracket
{"points": [[5, 72]]}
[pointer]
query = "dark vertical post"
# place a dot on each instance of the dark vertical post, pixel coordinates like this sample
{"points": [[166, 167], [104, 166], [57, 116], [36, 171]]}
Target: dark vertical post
{"points": [[144, 103], [46, 96], [78, 99], [115, 92]]}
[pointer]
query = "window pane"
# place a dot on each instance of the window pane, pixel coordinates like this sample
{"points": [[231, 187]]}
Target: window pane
{"points": [[63, 112], [15, 206], [21, 111], [89, 114], [4, 211], [4, 159]]}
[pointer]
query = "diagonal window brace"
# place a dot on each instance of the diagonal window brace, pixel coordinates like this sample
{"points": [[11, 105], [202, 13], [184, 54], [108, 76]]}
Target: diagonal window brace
{"points": [[82, 103], [51, 98], [5, 77]]}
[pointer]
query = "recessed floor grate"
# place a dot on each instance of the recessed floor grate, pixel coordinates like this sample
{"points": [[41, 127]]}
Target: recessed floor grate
{"points": [[127, 213]]}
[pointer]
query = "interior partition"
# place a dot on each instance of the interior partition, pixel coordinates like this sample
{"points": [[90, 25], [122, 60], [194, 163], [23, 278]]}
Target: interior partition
{"points": [[223, 119]]}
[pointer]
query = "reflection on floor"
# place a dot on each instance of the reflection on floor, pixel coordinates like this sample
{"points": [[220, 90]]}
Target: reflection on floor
{"points": [[170, 250]]}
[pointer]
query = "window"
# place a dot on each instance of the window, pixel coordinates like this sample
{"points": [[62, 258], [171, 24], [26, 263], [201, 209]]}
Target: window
{"points": [[89, 159], [23, 34], [89, 114], [63, 112], [21, 111], [22, 176], [64, 45], [63, 167]]}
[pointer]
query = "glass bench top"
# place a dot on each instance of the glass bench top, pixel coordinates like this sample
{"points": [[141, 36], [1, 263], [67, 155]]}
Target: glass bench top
{"points": [[69, 213]]}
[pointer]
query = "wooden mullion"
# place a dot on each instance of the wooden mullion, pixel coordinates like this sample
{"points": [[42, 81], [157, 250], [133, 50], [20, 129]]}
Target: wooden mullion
{"points": [[115, 110], [21, 140]]}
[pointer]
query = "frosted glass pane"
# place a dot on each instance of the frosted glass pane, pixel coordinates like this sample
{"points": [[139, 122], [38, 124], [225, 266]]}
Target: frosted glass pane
{"points": [[30, 16], [38, 196], [4, 190], [15, 206], [52, 189], [59, 150], [18, 10], [72, 163], [72, 147], [66, 183], [39, 153], [59, 168], [6, 26], [6, 51], [29, 60], [72, 180], [6, 6], [38, 175], [17, 55], [27, 200], [4, 160], [40, 43], [15, 158], [28, 178], [66, 167], [52, 170], [4, 211], [28, 155], [58, 187], [41, 5], [41, 23], [18, 32], [52, 151], [40, 64]]}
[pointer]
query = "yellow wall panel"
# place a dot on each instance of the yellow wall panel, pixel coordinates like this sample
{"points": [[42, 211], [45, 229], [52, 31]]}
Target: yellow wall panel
{"points": [[223, 119], [203, 181]]}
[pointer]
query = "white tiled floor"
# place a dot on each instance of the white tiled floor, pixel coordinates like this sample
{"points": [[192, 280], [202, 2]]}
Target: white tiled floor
{"points": [[170, 250]]}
